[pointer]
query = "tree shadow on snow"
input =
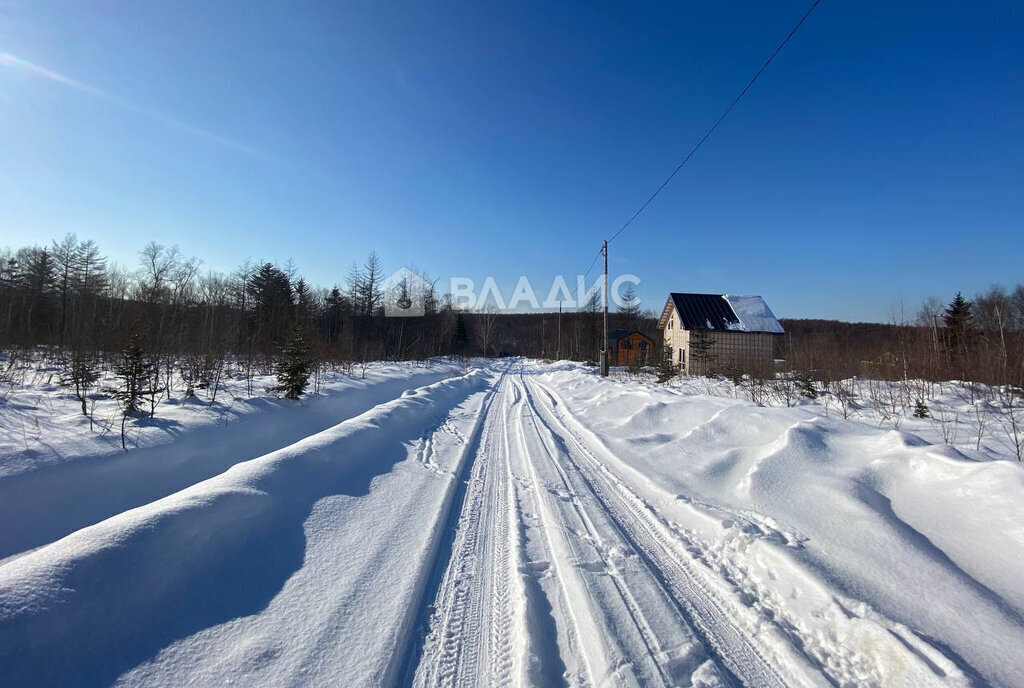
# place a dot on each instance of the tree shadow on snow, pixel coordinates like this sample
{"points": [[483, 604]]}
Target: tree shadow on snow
{"points": [[50, 502]]}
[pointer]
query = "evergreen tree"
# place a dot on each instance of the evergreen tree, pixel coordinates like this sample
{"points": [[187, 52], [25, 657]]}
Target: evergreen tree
{"points": [[37, 280], [303, 300], [270, 291], [136, 372], [958, 314], [666, 368], [805, 384], [296, 364], [921, 410], [959, 321], [701, 344], [335, 310]]}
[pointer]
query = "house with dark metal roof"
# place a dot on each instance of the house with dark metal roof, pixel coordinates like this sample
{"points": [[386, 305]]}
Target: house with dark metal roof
{"points": [[719, 332], [629, 347]]}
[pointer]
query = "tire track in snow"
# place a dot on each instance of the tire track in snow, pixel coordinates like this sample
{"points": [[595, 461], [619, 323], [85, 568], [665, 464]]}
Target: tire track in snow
{"points": [[409, 651], [750, 662], [471, 629], [626, 624], [882, 650], [581, 625]]}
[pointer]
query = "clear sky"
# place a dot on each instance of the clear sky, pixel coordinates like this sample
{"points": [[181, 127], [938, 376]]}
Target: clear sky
{"points": [[880, 158]]}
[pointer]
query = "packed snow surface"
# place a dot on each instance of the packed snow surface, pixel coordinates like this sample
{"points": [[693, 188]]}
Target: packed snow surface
{"points": [[521, 523]]}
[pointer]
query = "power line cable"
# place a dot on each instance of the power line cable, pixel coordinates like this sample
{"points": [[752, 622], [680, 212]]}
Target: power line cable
{"points": [[719, 120], [593, 263]]}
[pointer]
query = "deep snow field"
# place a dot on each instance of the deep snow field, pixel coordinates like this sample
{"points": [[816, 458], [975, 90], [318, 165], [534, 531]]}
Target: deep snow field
{"points": [[510, 523]]}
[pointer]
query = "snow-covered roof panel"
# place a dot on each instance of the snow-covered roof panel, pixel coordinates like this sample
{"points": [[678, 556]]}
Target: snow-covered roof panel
{"points": [[754, 314]]}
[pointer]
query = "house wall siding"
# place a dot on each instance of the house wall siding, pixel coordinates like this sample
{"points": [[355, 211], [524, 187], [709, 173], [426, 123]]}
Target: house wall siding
{"points": [[632, 353], [748, 351], [679, 340]]}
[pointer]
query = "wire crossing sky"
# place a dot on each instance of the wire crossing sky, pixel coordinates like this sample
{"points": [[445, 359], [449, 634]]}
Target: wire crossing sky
{"points": [[877, 161], [718, 121], [709, 132]]}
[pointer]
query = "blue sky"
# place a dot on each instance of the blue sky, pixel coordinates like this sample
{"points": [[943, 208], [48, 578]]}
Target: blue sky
{"points": [[879, 158]]}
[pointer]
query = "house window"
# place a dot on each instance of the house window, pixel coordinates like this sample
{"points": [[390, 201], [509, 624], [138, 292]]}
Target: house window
{"points": [[643, 346], [628, 344], [670, 322], [680, 354]]}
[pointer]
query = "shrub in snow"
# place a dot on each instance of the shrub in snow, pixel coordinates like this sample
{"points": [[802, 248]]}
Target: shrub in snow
{"points": [[805, 383], [81, 372], [921, 409]]}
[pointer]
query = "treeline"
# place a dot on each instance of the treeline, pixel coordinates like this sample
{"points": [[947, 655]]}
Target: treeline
{"points": [[69, 297], [977, 340], [574, 336]]}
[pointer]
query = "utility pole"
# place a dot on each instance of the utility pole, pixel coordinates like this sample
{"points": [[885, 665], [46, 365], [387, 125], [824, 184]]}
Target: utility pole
{"points": [[558, 357], [604, 352]]}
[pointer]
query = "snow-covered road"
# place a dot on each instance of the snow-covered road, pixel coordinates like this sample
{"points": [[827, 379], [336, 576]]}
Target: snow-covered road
{"points": [[529, 524], [561, 574], [540, 531]]}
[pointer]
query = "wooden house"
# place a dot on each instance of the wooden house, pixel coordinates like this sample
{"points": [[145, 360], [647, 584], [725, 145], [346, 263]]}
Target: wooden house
{"points": [[629, 348], [719, 333]]}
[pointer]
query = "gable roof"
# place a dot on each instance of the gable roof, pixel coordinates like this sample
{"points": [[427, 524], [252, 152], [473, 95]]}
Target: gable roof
{"points": [[616, 335], [721, 313]]}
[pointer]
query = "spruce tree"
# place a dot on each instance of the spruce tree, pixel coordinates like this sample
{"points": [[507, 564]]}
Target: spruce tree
{"points": [[959, 321], [136, 372], [921, 409], [296, 364], [805, 384], [666, 368], [701, 344]]}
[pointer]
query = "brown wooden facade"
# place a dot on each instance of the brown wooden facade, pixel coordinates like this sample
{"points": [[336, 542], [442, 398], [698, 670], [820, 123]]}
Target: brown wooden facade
{"points": [[630, 348]]}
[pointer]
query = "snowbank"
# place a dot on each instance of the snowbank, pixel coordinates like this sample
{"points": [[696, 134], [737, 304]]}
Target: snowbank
{"points": [[837, 528], [91, 606], [69, 478]]}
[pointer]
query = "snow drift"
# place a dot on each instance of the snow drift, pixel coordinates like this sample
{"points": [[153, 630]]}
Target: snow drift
{"points": [[72, 478], [828, 525], [91, 606]]}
